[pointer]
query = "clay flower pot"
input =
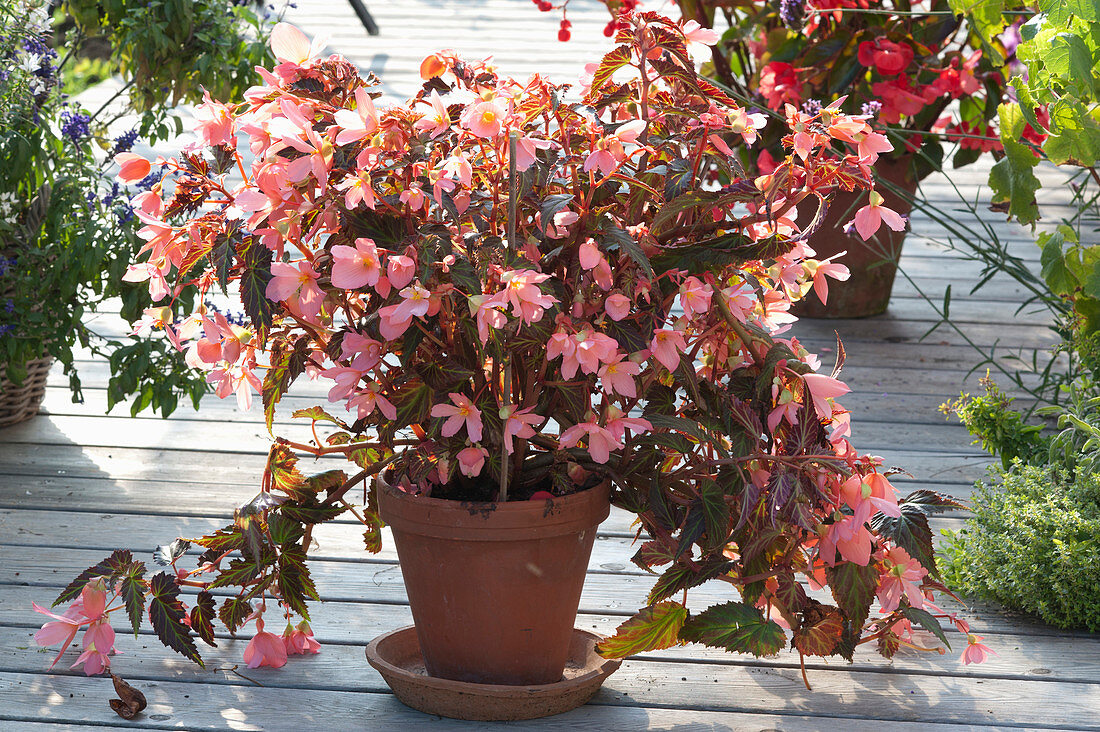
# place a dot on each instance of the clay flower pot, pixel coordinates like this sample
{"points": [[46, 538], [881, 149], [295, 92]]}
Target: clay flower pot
{"points": [[494, 587], [873, 264]]}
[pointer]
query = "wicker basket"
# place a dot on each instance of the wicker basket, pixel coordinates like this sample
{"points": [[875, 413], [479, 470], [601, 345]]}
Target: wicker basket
{"points": [[19, 403]]}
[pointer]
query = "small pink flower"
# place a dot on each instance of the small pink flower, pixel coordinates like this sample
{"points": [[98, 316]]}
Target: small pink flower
{"points": [[355, 125], [666, 346], [695, 33], [523, 294], [695, 296], [214, 122], [296, 278], [358, 189], [354, 267], [601, 442], [291, 46], [132, 167], [486, 308], [559, 227], [471, 460], [436, 122], [98, 644], [265, 649], [484, 119], [365, 402], [822, 389], [976, 651], [400, 270], [618, 377], [871, 216], [618, 423], [617, 306], [902, 579], [829, 268], [299, 639], [464, 412], [518, 423]]}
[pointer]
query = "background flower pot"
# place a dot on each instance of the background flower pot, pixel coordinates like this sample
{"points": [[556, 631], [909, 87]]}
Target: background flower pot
{"points": [[873, 263], [20, 402], [494, 588]]}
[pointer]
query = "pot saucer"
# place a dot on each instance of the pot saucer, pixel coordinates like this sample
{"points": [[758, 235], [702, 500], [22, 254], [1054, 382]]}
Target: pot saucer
{"points": [[396, 655]]}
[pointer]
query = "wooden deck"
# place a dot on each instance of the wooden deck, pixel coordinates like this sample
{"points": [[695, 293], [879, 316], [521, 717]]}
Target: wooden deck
{"points": [[75, 484]]}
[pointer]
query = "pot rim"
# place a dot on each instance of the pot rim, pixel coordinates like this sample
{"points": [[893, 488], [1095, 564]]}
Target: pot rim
{"points": [[493, 521]]}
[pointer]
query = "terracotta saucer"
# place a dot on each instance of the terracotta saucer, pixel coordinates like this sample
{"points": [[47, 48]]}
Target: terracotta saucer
{"points": [[396, 655]]}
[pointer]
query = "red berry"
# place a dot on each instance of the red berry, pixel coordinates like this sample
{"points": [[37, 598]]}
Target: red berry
{"points": [[563, 35], [565, 23], [609, 29]]}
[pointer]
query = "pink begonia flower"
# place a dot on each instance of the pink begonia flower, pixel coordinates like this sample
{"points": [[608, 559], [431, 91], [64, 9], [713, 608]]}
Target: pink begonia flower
{"points": [[463, 412], [459, 166], [436, 122], [975, 651], [486, 308], [366, 400], [364, 353], [396, 319], [358, 189], [518, 423], [345, 380], [88, 609], [695, 296], [618, 423], [296, 278], [823, 388], [152, 319], [400, 270], [559, 227], [299, 639], [590, 350], [902, 579], [747, 125], [695, 33], [154, 272], [601, 441], [357, 124], [527, 151], [589, 254], [484, 119], [828, 268], [414, 197], [851, 538], [471, 460], [132, 167], [666, 346], [265, 649], [868, 218], [608, 152], [292, 46], [522, 292], [236, 379], [618, 377], [214, 122], [99, 636], [786, 407], [354, 267], [617, 306]]}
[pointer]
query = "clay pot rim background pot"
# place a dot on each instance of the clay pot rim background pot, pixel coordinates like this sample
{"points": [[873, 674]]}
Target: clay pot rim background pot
{"points": [[492, 521]]}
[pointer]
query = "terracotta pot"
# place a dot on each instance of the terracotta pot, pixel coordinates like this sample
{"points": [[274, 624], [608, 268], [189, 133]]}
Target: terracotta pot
{"points": [[873, 264], [494, 588]]}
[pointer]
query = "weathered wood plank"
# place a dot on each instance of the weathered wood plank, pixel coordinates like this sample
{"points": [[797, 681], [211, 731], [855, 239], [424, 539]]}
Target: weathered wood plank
{"points": [[175, 705]]}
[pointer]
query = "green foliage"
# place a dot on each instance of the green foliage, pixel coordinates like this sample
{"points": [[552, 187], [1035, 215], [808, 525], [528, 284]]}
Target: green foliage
{"points": [[1033, 544], [1000, 429]]}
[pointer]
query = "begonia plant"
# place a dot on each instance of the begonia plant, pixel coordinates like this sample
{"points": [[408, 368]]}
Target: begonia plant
{"points": [[514, 291]]}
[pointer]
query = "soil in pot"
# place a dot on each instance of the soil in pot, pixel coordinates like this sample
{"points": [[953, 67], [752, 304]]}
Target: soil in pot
{"points": [[873, 264], [494, 587]]}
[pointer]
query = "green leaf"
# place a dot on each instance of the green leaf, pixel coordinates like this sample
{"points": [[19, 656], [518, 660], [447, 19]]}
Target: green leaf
{"points": [[548, 208], [1074, 135], [117, 564], [318, 415], [737, 627], [282, 467], [233, 612], [821, 636], [716, 513], [853, 587], [132, 588], [283, 530], [910, 531], [614, 60], [1011, 178], [239, 572], [651, 629], [293, 580], [985, 18], [167, 615], [927, 621], [255, 274], [615, 237], [202, 616], [221, 259]]}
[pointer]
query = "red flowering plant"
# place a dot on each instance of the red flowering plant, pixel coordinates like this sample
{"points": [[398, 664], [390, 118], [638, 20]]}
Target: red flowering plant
{"points": [[515, 291], [927, 76]]}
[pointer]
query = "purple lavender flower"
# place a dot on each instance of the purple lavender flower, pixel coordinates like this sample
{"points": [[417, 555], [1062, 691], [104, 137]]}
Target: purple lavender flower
{"points": [[871, 108], [74, 125], [125, 141], [812, 106], [791, 13], [9, 306]]}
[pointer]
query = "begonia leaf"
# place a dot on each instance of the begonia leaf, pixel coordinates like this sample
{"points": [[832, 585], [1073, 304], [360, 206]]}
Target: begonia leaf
{"points": [[737, 627], [653, 628]]}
